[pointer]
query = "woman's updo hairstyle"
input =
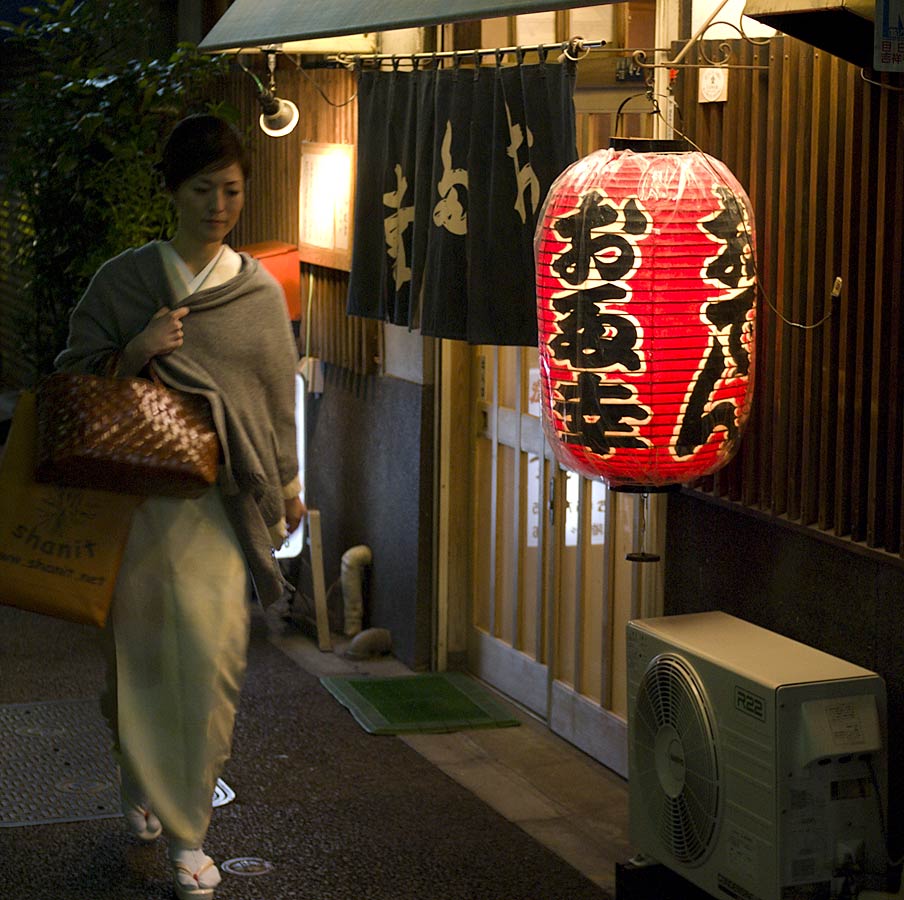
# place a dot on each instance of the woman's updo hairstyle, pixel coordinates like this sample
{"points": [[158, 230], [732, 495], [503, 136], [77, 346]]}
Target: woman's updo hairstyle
{"points": [[201, 143]]}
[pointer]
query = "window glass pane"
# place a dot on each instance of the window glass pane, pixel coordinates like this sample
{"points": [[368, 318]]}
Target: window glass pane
{"points": [[593, 23], [534, 499], [572, 507], [598, 513], [294, 543], [534, 393], [535, 28], [495, 32]]}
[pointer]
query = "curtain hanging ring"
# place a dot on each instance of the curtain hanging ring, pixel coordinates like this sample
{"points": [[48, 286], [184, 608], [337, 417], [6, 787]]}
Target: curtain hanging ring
{"points": [[395, 63], [575, 49], [500, 57], [519, 55], [542, 53]]}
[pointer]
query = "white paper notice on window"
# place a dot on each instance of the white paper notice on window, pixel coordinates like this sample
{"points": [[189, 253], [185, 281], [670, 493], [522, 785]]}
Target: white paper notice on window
{"points": [[534, 392], [572, 488], [325, 196]]}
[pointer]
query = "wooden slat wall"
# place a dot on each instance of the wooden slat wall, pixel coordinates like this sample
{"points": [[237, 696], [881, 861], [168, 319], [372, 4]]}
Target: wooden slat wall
{"points": [[818, 149], [271, 211]]}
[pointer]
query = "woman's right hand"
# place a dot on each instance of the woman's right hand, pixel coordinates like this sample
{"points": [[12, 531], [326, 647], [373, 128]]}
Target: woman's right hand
{"points": [[161, 335], [295, 512]]}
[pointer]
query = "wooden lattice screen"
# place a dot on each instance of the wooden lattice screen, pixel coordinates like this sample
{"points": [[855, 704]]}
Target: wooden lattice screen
{"points": [[819, 149]]}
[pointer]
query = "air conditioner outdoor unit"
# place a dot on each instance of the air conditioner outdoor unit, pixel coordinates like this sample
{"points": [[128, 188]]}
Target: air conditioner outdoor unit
{"points": [[757, 765]]}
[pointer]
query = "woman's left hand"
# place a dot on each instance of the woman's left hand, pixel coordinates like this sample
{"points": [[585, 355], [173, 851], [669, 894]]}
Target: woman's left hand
{"points": [[295, 512]]}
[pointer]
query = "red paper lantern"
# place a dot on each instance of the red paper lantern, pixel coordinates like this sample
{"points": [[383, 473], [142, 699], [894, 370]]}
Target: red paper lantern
{"points": [[645, 302]]}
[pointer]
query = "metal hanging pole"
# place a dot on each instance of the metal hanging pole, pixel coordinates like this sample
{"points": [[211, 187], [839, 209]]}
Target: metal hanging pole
{"points": [[697, 35], [575, 49]]}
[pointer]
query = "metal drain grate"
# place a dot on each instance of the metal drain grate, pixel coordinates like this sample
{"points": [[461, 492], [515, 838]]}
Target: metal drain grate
{"points": [[247, 866], [55, 765]]}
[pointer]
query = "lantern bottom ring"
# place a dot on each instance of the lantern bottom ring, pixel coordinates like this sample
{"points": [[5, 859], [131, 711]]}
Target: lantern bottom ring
{"points": [[645, 488], [643, 557]]}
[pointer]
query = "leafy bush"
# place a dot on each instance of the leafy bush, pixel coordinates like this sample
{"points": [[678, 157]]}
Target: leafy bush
{"points": [[89, 130]]}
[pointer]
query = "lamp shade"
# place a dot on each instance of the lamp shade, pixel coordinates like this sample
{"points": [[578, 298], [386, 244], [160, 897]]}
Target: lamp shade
{"points": [[279, 117], [645, 303]]}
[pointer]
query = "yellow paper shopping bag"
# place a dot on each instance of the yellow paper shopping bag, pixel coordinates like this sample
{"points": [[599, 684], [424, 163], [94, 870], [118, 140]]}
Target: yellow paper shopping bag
{"points": [[60, 548]]}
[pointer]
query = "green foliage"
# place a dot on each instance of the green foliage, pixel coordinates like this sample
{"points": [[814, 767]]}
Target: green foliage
{"points": [[88, 140]]}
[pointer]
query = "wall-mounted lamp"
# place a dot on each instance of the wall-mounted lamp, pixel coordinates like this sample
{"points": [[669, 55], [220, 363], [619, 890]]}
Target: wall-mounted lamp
{"points": [[278, 117]]}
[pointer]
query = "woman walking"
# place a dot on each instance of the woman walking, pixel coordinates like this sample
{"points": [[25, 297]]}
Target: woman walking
{"points": [[210, 321]]}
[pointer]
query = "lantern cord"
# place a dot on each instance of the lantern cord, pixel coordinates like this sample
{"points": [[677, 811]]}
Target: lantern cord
{"points": [[838, 283], [642, 555], [623, 104]]}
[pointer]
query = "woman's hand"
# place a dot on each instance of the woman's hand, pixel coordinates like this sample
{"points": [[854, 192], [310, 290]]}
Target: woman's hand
{"points": [[161, 335], [295, 512]]}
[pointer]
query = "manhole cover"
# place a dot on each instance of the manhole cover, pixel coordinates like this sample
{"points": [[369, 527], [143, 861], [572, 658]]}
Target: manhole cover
{"points": [[55, 764], [247, 865]]}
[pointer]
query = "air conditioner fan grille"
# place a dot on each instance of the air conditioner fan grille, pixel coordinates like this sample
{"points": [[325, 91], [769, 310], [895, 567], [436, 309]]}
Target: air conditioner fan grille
{"points": [[676, 766]]}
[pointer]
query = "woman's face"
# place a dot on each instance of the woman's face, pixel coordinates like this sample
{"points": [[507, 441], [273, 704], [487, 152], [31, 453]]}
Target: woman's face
{"points": [[209, 203]]}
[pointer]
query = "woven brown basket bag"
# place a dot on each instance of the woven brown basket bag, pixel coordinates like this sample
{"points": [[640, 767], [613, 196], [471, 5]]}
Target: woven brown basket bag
{"points": [[128, 435]]}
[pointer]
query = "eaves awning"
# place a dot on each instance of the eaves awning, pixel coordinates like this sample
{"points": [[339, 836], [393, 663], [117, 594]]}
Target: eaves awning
{"points": [[253, 23], [844, 28]]}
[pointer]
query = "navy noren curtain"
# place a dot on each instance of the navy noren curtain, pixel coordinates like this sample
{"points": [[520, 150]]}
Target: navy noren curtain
{"points": [[384, 196], [452, 171]]}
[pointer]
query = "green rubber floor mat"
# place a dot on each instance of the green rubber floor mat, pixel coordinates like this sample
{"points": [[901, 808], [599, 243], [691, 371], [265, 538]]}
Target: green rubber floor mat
{"points": [[436, 702]]}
